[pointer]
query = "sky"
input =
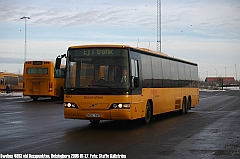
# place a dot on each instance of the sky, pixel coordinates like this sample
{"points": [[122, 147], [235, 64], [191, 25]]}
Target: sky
{"points": [[205, 32]]}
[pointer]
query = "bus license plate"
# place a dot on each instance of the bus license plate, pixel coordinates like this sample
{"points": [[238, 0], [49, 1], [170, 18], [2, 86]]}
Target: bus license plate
{"points": [[93, 115]]}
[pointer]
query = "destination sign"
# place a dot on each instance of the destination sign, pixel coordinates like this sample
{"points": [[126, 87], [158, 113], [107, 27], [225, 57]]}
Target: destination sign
{"points": [[89, 52], [96, 52]]}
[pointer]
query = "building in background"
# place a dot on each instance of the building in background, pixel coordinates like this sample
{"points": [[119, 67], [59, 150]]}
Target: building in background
{"points": [[221, 82]]}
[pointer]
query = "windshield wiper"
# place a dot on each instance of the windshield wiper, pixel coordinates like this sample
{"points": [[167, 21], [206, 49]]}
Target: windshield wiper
{"points": [[75, 89], [89, 89], [111, 87]]}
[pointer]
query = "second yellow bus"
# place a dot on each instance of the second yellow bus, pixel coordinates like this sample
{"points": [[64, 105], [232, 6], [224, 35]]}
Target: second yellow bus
{"points": [[41, 79]]}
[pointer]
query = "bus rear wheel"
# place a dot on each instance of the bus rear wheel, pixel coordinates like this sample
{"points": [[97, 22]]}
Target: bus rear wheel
{"points": [[148, 113], [34, 98], [189, 103], [184, 107]]}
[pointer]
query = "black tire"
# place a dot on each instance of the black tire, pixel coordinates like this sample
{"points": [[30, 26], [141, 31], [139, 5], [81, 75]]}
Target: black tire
{"points": [[94, 121], [189, 104], [34, 98], [187, 108], [61, 95], [54, 98], [184, 107], [148, 113]]}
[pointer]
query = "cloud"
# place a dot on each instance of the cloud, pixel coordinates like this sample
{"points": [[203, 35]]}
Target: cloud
{"points": [[109, 13], [192, 30], [11, 60], [199, 18], [212, 20]]}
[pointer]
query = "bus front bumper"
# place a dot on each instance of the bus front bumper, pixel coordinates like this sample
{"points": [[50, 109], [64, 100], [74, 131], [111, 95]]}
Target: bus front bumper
{"points": [[73, 113]]}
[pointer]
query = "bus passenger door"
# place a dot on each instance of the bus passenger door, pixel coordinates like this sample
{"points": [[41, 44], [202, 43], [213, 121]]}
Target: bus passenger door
{"points": [[137, 98]]}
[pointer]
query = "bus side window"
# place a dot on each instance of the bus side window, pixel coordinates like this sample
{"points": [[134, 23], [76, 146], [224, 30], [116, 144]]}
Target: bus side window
{"points": [[134, 73], [2, 81]]}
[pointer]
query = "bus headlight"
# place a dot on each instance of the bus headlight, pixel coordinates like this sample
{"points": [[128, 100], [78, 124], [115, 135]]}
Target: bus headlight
{"points": [[70, 105], [115, 105], [120, 106]]}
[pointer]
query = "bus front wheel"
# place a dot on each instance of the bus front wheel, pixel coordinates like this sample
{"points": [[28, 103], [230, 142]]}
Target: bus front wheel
{"points": [[94, 121], [61, 94], [148, 113]]}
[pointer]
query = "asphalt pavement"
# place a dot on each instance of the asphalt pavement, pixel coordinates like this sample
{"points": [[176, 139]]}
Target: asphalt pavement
{"points": [[211, 130]]}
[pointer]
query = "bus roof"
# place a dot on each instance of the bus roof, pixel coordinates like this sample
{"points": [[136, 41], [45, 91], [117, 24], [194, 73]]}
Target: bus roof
{"points": [[143, 50], [115, 46], [99, 46], [38, 60], [10, 74]]}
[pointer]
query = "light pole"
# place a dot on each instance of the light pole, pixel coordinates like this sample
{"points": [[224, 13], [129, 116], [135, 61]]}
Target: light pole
{"points": [[216, 72], [159, 43], [225, 72], [236, 71], [25, 49]]}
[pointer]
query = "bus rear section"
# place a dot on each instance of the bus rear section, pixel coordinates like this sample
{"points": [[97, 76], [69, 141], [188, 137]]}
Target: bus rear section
{"points": [[12, 80], [39, 80]]}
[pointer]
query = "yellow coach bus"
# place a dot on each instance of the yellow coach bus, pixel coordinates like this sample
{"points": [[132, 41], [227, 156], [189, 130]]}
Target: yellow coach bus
{"points": [[154, 83], [41, 79], [13, 80]]}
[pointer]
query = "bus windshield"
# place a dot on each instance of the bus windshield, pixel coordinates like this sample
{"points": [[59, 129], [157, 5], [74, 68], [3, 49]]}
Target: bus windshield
{"points": [[97, 70]]}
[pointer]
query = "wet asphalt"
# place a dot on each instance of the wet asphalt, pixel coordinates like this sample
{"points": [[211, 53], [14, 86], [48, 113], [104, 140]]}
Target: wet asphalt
{"points": [[211, 130]]}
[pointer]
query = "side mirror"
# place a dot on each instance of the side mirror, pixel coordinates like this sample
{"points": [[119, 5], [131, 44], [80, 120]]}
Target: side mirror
{"points": [[58, 62], [136, 82]]}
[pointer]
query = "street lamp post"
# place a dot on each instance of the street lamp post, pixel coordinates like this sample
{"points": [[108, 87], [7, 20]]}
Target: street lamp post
{"points": [[25, 49], [236, 71], [225, 72], [159, 43]]}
